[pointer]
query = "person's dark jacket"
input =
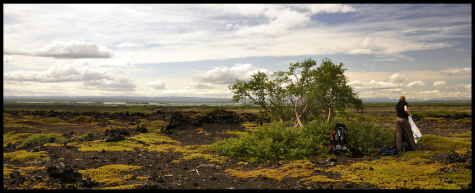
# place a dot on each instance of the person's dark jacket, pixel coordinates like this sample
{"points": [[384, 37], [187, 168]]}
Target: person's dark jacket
{"points": [[401, 113]]}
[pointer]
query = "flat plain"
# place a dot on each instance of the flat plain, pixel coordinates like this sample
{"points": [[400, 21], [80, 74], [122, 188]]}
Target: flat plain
{"points": [[91, 146]]}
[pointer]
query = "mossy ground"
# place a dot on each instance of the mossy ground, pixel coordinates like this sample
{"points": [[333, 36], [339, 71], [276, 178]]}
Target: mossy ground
{"points": [[411, 170]]}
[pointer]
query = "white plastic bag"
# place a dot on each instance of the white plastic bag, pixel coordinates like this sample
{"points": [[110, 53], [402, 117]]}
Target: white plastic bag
{"points": [[415, 131]]}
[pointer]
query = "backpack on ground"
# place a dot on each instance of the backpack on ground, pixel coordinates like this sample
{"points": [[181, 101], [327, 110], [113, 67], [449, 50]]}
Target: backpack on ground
{"points": [[339, 141]]}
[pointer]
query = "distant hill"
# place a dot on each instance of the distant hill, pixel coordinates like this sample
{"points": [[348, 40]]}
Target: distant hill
{"points": [[183, 99], [116, 98]]}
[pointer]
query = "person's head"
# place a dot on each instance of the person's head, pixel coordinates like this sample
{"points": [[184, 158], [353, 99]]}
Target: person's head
{"points": [[402, 98]]}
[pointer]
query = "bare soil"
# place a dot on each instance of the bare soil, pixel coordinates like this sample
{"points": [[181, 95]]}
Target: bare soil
{"points": [[165, 175]]}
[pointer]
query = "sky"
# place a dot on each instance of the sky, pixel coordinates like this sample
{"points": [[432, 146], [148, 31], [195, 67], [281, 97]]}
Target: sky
{"points": [[421, 51]]}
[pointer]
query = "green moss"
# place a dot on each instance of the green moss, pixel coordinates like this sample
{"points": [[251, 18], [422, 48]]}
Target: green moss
{"points": [[318, 179], [391, 173], [102, 145], [115, 175], [234, 132], [23, 156], [294, 169], [439, 143], [153, 138], [463, 135], [42, 138], [166, 148], [14, 138]]}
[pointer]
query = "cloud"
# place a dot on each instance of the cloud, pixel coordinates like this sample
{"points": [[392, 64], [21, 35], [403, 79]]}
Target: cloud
{"points": [[458, 72], [7, 59], [439, 83], [198, 85], [280, 21], [467, 86], [372, 85], [110, 83], [280, 18], [67, 50], [225, 75], [89, 77], [417, 83], [158, 84], [329, 8], [397, 78]]}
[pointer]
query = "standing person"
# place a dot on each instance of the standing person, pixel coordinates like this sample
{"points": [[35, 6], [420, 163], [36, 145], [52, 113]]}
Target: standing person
{"points": [[402, 123]]}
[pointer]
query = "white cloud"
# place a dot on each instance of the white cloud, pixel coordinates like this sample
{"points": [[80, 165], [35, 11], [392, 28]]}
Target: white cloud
{"points": [[396, 77], [240, 9], [91, 78], [371, 85], [158, 84], [225, 75], [416, 83], [458, 72], [61, 49], [439, 83], [467, 86], [7, 59], [329, 8], [198, 85], [280, 21]]}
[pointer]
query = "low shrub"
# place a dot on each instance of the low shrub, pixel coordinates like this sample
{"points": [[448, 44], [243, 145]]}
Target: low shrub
{"points": [[279, 143], [14, 138], [40, 139]]}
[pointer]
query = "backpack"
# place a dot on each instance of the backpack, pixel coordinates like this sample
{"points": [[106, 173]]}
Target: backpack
{"points": [[339, 141]]}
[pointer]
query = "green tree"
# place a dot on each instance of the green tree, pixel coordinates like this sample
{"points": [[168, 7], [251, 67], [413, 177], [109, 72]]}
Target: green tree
{"points": [[303, 92], [299, 79], [331, 91], [262, 92]]}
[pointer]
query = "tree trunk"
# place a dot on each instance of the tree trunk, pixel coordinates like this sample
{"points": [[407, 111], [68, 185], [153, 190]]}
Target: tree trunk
{"points": [[298, 118], [329, 113], [330, 108], [297, 115]]}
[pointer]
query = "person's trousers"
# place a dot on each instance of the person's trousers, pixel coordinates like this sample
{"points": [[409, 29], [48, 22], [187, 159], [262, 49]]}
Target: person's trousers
{"points": [[401, 124]]}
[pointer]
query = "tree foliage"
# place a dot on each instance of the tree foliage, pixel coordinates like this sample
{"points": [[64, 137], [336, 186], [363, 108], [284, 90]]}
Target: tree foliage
{"points": [[302, 93]]}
